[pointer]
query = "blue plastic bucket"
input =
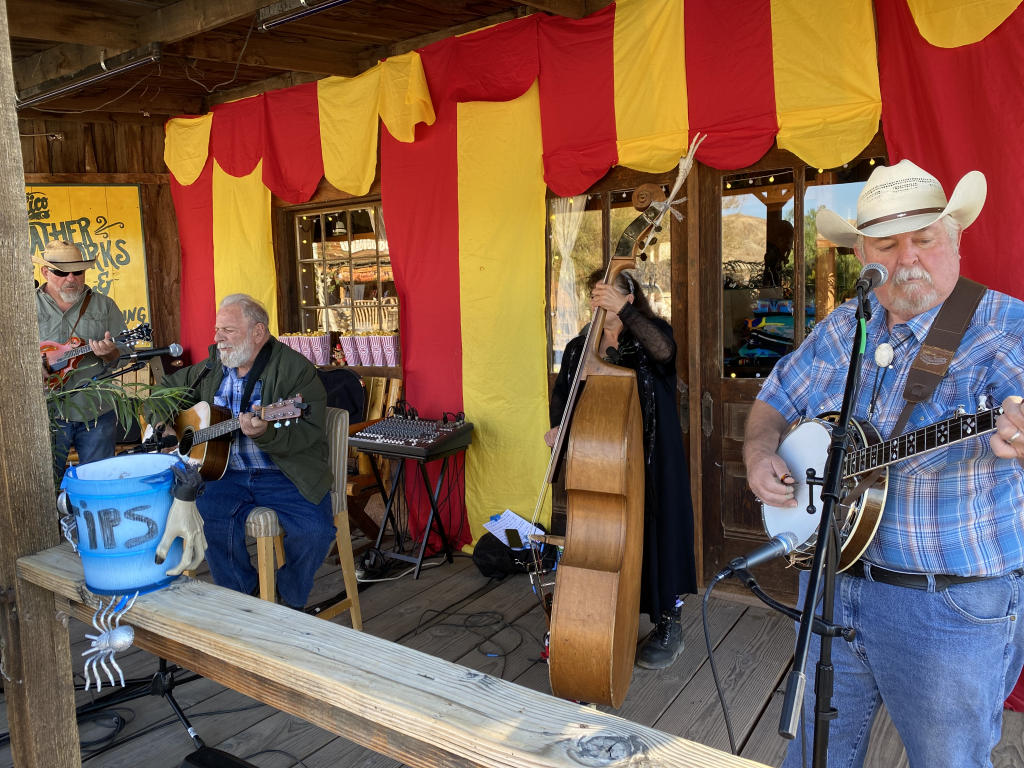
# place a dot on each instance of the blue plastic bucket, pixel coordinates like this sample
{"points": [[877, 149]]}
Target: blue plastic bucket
{"points": [[121, 507]]}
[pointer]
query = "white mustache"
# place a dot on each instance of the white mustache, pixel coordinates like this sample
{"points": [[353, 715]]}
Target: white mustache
{"points": [[906, 274]]}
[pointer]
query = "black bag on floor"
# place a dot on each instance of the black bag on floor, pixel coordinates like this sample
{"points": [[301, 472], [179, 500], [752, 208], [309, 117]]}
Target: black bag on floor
{"points": [[495, 559]]}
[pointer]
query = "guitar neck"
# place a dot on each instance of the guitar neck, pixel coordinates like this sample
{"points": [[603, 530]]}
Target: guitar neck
{"points": [[924, 440], [216, 430], [73, 353]]}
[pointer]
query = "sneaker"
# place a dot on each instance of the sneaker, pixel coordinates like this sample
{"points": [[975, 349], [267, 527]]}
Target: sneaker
{"points": [[665, 643]]}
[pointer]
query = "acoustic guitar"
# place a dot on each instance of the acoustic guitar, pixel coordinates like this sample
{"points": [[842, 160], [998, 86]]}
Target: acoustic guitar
{"points": [[805, 446], [205, 432], [61, 360]]}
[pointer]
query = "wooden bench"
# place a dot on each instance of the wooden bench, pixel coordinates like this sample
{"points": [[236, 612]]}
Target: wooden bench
{"points": [[415, 708]]}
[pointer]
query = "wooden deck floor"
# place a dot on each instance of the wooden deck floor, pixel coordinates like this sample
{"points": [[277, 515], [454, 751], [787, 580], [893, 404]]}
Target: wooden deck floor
{"points": [[455, 613]]}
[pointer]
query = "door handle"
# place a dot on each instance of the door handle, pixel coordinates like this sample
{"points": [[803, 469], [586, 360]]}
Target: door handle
{"points": [[707, 414]]}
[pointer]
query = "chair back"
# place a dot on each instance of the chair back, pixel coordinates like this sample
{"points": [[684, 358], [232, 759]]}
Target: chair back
{"points": [[337, 438]]}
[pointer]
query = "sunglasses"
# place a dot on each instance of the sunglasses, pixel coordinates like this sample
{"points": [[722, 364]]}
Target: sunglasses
{"points": [[62, 273]]}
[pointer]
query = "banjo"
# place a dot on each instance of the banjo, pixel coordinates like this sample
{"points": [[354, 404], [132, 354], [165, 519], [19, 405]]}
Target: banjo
{"points": [[805, 446]]}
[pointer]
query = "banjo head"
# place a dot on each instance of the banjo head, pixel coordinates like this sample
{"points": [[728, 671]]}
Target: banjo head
{"points": [[804, 446]]}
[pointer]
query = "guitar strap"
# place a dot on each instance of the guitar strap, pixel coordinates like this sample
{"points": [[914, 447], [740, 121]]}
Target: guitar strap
{"points": [[932, 361], [81, 311], [258, 366]]}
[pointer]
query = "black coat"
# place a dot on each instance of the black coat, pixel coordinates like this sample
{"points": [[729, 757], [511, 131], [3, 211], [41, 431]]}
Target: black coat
{"points": [[669, 567]]}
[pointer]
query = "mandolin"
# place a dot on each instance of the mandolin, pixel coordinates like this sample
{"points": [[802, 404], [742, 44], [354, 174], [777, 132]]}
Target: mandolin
{"points": [[805, 446], [61, 360], [205, 431]]}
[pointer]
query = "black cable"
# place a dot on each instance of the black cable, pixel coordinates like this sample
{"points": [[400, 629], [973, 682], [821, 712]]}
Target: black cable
{"points": [[478, 621], [711, 659]]}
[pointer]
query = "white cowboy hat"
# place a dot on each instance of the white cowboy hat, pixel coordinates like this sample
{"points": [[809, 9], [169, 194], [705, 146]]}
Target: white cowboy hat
{"points": [[65, 256], [904, 198]]}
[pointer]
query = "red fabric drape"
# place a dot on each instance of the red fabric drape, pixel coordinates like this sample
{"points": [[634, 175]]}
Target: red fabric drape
{"points": [[577, 100], [194, 207], [730, 83], [236, 137], [293, 161], [420, 195], [497, 64], [950, 111]]}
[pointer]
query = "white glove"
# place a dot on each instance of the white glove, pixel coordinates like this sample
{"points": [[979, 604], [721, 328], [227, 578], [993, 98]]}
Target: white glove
{"points": [[184, 522]]}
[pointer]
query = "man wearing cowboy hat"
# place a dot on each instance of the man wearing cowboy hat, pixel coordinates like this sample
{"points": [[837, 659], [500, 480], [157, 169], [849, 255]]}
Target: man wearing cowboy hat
{"points": [[65, 307], [934, 600]]}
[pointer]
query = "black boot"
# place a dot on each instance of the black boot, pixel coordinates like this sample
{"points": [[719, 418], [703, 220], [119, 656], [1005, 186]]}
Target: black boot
{"points": [[665, 643]]}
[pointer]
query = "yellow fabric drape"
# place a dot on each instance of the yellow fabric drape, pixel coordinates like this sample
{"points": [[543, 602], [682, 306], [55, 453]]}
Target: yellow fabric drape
{"points": [[826, 78], [186, 146], [404, 96], [952, 23], [396, 90], [243, 251], [348, 129], [501, 287], [651, 118]]}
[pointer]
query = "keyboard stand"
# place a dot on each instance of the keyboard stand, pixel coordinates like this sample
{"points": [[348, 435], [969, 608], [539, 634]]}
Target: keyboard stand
{"points": [[433, 520]]}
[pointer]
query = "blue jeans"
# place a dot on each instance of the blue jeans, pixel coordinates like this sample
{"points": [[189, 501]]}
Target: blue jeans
{"points": [[943, 663], [309, 531], [93, 441]]}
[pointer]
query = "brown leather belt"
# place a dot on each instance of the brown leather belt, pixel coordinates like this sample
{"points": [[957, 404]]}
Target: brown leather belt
{"points": [[913, 580]]}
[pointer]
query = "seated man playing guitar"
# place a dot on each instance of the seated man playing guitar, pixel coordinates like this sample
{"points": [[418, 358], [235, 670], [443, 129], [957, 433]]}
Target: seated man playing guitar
{"points": [[936, 596], [285, 469], [66, 309]]}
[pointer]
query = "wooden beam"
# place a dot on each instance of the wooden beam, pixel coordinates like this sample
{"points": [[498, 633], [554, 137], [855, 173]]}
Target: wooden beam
{"points": [[36, 653], [265, 50], [63, 22], [170, 24], [398, 701], [93, 117], [370, 58], [152, 102], [97, 178], [260, 86], [572, 9]]}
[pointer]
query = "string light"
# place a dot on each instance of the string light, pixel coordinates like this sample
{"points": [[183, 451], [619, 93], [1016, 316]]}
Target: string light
{"points": [[771, 179], [751, 181], [728, 185], [821, 170], [871, 161]]}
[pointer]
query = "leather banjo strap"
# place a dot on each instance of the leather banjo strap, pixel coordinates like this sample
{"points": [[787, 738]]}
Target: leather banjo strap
{"points": [[932, 361]]}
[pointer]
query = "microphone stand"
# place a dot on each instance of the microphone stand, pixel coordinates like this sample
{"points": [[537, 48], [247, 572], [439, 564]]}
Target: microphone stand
{"points": [[824, 567]]}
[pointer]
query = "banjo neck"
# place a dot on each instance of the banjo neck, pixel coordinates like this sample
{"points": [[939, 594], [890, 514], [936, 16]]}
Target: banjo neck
{"points": [[921, 441]]}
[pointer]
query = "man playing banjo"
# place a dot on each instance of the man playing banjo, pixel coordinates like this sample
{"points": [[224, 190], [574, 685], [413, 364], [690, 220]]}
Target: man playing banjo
{"points": [[934, 600]]}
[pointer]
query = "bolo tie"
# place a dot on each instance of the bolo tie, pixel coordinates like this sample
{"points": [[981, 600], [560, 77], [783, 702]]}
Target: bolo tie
{"points": [[884, 354]]}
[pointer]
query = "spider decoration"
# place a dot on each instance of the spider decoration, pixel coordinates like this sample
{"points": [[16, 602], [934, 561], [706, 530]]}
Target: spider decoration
{"points": [[68, 522], [112, 638]]}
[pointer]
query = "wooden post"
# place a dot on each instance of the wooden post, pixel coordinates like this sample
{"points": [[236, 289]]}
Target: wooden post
{"points": [[36, 655]]}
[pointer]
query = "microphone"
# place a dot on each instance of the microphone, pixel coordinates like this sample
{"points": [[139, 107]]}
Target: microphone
{"points": [[155, 445], [781, 545], [871, 277], [174, 350]]}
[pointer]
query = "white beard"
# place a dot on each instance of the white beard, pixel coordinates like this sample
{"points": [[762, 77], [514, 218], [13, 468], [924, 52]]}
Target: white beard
{"points": [[239, 355], [910, 300], [70, 292]]}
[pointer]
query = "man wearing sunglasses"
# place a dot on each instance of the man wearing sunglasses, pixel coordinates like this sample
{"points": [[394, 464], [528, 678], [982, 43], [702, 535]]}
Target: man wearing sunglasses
{"points": [[65, 307]]}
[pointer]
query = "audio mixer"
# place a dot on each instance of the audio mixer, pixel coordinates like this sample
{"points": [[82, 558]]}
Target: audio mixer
{"points": [[415, 438]]}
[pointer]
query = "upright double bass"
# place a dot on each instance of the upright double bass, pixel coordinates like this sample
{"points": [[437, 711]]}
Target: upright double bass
{"points": [[595, 610]]}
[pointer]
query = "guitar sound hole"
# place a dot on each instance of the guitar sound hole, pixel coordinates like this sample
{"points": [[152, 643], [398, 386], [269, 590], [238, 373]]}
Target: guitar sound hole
{"points": [[185, 443]]}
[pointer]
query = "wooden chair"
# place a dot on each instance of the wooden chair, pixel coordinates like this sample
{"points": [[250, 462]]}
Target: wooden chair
{"points": [[381, 395], [263, 525]]}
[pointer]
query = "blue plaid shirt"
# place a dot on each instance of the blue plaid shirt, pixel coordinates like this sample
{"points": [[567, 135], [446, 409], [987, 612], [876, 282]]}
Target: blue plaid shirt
{"points": [[245, 454], [957, 510]]}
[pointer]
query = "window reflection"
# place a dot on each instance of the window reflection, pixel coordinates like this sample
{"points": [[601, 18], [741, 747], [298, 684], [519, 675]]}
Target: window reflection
{"points": [[576, 251], [346, 283], [832, 271], [757, 271]]}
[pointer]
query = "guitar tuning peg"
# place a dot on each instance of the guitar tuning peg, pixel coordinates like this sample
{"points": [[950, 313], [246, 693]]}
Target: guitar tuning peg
{"points": [[288, 422], [277, 425]]}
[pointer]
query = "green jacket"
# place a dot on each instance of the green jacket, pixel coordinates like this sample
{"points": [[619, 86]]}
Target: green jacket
{"points": [[300, 450]]}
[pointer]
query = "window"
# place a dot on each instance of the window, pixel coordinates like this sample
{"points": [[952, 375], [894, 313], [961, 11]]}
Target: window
{"points": [[345, 280], [582, 232], [772, 271]]}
